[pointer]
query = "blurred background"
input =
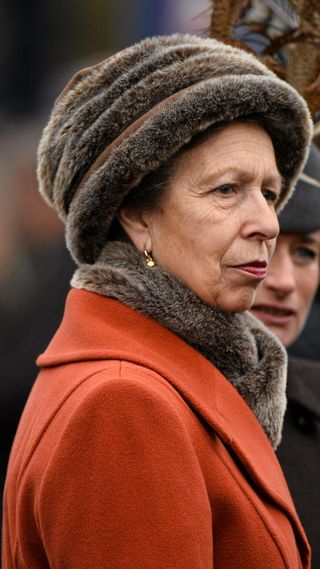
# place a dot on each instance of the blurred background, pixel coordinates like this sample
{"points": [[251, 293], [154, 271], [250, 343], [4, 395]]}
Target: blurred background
{"points": [[40, 39], [41, 44]]}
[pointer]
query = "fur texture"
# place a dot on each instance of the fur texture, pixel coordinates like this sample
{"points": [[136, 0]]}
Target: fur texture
{"points": [[239, 345], [126, 116]]}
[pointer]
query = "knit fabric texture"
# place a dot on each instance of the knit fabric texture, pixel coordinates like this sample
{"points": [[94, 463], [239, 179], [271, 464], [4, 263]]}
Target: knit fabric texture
{"points": [[119, 120]]}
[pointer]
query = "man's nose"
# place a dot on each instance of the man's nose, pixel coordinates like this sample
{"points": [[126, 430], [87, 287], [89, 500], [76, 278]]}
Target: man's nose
{"points": [[280, 275]]}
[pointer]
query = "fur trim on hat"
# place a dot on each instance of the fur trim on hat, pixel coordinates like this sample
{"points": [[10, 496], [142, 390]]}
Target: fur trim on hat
{"points": [[117, 121]]}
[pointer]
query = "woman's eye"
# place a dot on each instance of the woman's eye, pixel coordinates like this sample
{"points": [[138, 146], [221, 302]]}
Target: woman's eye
{"points": [[225, 190], [305, 253], [270, 196]]}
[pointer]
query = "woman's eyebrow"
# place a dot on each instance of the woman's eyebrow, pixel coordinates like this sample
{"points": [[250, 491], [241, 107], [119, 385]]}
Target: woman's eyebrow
{"points": [[276, 180], [241, 174]]}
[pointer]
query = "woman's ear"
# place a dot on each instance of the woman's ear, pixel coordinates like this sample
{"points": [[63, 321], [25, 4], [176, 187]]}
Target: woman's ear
{"points": [[136, 227]]}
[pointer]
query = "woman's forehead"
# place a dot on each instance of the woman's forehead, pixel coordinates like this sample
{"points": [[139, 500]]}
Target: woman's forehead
{"points": [[235, 151]]}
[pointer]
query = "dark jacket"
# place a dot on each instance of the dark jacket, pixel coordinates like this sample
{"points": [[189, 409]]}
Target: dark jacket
{"points": [[299, 451]]}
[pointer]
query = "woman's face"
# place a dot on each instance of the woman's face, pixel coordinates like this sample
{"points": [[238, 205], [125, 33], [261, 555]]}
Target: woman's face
{"points": [[216, 227], [284, 299]]}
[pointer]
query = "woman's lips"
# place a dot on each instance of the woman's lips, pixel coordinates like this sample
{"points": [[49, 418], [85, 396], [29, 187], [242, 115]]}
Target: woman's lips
{"points": [[276, 315], [257, 269]]}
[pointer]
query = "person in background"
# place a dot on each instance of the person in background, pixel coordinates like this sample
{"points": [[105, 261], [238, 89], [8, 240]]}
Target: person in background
{"points": [[283, 302], [307, 344], [285, 35]]}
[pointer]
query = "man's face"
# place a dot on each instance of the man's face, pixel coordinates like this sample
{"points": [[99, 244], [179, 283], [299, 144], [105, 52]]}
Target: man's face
{"points": [[284, 298]]}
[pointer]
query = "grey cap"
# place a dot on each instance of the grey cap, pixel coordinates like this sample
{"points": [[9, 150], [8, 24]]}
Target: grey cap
{"points": [[302, 213]]}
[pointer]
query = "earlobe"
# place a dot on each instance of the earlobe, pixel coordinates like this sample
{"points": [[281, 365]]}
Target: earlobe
{"points": [[136, 227]]}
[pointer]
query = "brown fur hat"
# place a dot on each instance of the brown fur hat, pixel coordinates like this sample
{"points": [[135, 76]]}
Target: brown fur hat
{"points": [[120, 119]]}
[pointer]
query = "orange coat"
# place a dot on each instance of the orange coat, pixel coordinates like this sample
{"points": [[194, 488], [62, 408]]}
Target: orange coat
{"points": [[135, 452]]}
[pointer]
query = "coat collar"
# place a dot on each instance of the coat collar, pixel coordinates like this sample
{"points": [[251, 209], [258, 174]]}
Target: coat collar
{"points": [[99, 328], [238, 344]]}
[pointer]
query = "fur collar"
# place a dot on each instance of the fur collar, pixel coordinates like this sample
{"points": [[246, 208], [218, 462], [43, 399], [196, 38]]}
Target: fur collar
{"points": [[241, 347]]}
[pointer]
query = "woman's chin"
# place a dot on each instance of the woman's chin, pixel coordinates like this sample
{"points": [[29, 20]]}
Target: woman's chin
{"points": [[238, 300]]}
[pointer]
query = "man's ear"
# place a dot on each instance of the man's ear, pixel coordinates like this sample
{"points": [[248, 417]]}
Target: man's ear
{"points": [[136, 227]]}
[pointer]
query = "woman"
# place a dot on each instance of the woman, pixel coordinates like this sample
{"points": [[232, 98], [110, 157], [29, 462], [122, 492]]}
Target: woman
{"points": [[147, 439]]}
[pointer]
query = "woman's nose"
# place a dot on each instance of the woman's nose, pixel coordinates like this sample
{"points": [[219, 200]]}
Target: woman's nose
{"points": [[262, 222]]}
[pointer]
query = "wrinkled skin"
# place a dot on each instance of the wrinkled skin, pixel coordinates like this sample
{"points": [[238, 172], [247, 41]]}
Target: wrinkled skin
{"points": [[284, 299], [216, 227]]}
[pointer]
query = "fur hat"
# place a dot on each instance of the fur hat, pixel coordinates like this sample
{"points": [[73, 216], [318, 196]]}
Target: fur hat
{"points": [[124, 117], [302, 213]]}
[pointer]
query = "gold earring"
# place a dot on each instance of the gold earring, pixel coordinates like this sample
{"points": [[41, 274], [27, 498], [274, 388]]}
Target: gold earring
{"points": [[149, 260]]}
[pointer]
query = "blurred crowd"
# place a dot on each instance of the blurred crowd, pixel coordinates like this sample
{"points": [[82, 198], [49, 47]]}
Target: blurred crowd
{"points": [[41, 44], [35, 271]]}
